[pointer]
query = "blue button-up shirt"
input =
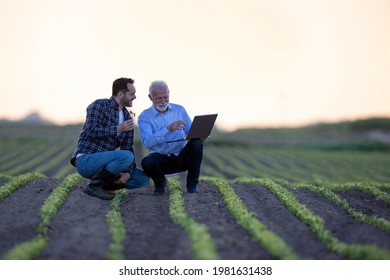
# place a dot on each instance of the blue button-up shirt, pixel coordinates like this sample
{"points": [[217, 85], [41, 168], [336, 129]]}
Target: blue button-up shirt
{"points": [[154, 133]]}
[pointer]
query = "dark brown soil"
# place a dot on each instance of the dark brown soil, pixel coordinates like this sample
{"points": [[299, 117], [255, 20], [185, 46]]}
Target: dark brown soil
{"points": [[80, 230]]}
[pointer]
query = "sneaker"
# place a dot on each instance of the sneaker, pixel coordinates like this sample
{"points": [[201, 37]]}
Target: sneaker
{"points": [[193, 189], [97, 192]]}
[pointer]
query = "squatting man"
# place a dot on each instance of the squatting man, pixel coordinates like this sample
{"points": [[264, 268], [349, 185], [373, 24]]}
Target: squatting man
{"points": [[105, 148], [163, 122], [109, 126]]}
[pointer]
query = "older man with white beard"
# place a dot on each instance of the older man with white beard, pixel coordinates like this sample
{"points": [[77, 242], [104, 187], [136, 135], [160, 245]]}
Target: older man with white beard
{"points": [[160, 124]]}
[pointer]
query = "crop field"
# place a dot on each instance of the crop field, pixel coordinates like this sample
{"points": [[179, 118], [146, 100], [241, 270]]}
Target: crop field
{"points": [[274, 200]]}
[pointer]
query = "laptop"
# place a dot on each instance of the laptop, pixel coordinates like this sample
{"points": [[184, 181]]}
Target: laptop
{"points": [[200, 128]]}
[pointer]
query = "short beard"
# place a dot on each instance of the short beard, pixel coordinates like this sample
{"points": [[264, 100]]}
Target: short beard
{"points": [[161, 108]]}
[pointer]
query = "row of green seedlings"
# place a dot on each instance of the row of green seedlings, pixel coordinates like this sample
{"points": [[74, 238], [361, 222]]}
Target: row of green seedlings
{"points": [[20, 155], [378, 190], [64, 171], [317, 224], [296, 165], [237, 163], [251, 162], [32, 248], [116, 227], [15, 183], [41, 160], [55, 160], [32, 156], [12, 150], [203, 246], [270, 241], [338, 165], [357, 215]]}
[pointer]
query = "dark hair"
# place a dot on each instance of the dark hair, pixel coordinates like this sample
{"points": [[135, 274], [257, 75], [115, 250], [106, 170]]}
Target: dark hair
{"points": [[120, 84]]}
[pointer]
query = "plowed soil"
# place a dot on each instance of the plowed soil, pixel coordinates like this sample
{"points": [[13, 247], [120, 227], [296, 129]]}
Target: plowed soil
{"points": [[80, 230]]}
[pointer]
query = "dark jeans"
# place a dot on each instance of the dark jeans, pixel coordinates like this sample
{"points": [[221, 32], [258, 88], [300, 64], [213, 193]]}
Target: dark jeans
{"points": [[156, 165]]}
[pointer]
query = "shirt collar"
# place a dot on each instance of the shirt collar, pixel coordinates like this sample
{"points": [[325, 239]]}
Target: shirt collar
{"points": [[113, 102], [155, 112]]}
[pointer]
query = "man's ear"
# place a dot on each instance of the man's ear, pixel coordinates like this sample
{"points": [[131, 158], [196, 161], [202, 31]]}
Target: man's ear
{"points": [[150, 98]]}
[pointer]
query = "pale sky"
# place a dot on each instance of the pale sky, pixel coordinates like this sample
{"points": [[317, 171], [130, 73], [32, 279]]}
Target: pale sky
{"points": [[255, 62]]}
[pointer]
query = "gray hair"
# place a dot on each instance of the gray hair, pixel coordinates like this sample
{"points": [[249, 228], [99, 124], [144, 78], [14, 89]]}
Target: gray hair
{"points": [[158, 85]]}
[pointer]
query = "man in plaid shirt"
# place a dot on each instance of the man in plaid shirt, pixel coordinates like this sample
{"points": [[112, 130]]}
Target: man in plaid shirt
{"points": [[105, 152]]}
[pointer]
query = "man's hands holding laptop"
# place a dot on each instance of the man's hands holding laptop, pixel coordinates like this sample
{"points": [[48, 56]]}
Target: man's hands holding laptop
{"points": [[200, 128], [180, 125]]}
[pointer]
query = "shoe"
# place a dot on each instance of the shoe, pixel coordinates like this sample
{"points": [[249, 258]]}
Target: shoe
{"points": [[161, 189], [105, 179], [110, 192], [100, 185], [193, 189], [97, 192], [158, 191]]}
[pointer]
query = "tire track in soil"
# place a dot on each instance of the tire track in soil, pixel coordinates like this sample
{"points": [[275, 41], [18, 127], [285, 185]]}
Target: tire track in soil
{"points": [[343, 226], [79, 231], [19, 212], [150, 232], [366, 203], [231, 240], [282, 222]]}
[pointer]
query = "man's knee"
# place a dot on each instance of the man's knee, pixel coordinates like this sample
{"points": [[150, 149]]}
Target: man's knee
{"points": [[196, 144], [125, 157], [148, 163]]}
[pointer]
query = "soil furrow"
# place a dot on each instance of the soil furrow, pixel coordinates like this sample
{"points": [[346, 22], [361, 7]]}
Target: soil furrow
{"points": [[232, 241], [150, 233], [366, 203], [343, 226], [282, 222], [79, 231], [19, 213]]}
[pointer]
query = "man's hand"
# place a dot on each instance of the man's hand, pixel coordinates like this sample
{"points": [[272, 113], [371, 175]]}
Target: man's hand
{"points": [[123, 178], [177, 125], [125, 126]]}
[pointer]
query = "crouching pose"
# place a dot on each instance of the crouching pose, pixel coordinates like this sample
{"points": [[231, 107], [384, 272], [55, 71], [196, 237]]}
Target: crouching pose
{"points": [[109, 126], [160, 124]]}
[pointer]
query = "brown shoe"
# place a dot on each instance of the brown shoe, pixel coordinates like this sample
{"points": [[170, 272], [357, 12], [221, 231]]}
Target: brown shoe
{"points": [[97, 192], [110, 192]]}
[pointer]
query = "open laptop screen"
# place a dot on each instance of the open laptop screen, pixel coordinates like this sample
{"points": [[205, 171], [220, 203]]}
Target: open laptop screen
{"points": [[200, 128]]}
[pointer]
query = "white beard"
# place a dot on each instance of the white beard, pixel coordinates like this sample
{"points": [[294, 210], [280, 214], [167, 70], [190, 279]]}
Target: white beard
{"points": [[161, 107]]}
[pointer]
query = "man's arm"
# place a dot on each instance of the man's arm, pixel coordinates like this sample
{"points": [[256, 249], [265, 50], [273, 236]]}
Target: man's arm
{"points": [[149, 139]]}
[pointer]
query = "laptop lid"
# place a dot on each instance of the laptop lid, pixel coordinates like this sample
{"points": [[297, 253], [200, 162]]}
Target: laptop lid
{"points": [[200, 128]]}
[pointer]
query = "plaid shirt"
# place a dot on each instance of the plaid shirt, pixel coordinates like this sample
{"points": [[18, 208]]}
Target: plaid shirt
{"points": [[99, 133]]}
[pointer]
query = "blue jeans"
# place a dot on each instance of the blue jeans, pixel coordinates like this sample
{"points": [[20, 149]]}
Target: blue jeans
{"points": [[115, 162]]}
